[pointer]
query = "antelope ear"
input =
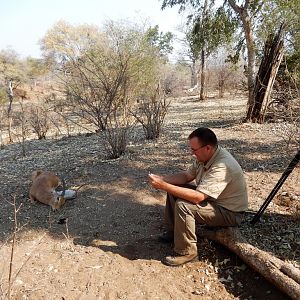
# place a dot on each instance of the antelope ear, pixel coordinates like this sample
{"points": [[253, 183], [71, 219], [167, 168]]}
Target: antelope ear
{"points": [[36, 173]]}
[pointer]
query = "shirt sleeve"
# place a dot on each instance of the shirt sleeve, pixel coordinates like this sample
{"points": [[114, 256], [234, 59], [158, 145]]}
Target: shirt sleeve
{"points": [[214, 181]]}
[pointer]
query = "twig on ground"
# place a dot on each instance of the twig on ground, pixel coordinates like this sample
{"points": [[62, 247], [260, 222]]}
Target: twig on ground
{"points": [[16, 210], [29, 256]]}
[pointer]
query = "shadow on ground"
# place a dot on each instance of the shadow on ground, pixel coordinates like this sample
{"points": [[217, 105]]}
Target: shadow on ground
{"points": [[117, 211], [114, 219]]}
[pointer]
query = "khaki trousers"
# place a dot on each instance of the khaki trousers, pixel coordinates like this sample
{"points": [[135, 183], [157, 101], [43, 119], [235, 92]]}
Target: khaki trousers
{"points": [[181, 217]]}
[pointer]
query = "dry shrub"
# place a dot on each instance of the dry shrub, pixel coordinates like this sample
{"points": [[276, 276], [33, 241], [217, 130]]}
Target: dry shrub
{"points": [[117, 140], [284, 108], [119, 125], [21, 129], [39, 121], [289, 132], [150, 113]]}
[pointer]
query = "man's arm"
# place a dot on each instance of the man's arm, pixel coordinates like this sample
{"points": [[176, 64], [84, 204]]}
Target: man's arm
{"points": [[178, 178], [167, 184]]}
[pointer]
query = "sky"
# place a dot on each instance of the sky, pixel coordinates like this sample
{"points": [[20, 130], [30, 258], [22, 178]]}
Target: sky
{"points": [[24, 22]]}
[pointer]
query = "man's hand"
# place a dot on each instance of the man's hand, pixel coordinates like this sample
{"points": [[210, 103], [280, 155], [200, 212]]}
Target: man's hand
{"points": [[156, 181], [161, 183]]}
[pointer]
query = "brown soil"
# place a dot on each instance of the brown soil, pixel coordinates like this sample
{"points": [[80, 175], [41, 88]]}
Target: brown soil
{"points": [[103, 244]]}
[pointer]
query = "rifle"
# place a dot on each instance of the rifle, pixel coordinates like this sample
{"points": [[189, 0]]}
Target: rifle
{"points": [[280, 182]]}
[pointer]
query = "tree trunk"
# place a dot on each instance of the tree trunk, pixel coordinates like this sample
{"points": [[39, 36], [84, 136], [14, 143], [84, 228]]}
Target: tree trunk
{"points": [[242, 12], [221, 82], [9, 110], [282, 274], [194, 80], [251, 61], [202, 80], [221, 88]]}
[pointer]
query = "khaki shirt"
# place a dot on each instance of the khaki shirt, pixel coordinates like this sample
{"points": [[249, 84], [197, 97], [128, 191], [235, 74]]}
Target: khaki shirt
{"points": [[222, 179]]}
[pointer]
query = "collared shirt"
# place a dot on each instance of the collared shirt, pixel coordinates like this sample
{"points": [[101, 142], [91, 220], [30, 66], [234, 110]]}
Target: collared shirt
{"points": [[222, 179]]}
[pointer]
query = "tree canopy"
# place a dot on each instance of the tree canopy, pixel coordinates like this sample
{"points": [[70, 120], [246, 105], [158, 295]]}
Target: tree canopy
{"points": [[256, 19]]}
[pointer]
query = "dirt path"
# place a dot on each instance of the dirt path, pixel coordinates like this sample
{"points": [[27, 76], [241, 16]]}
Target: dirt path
{"points": [[106, 246]]}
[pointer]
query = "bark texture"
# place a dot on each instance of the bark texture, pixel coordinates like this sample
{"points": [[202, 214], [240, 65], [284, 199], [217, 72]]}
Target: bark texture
{"points": [[243, 12], [280, 273], [265, 78]]}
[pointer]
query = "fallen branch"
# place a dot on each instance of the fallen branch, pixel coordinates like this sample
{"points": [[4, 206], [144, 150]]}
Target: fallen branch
{"points": [[280, 273]]}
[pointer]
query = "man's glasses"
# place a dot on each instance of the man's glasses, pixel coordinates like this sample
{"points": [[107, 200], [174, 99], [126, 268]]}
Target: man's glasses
{"points": [[195, 150]]}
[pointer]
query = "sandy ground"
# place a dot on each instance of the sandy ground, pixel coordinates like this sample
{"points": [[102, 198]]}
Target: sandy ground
{"points": [[103, 244]]}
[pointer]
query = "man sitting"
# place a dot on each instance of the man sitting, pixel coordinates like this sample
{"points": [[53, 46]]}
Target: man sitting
{"points": [[219, 197]]}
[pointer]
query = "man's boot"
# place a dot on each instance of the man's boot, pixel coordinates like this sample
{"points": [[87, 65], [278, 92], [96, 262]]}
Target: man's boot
{"points": [[178, 259]]}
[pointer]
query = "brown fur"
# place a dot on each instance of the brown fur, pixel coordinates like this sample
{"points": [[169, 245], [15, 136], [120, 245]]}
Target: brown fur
{"points": [[43, 189], [20, 93]]}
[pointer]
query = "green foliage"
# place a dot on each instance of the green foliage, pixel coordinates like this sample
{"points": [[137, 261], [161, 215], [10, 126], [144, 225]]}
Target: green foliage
{"points": [[212, 29], [182, 3], [287, 13], [282, 12], [210, 26], [36, 67], [237, 50], [160, 40], [293, 65]]}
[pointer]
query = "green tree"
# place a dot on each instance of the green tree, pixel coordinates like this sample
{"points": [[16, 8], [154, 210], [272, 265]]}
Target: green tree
{"points": [[284, 103], [208, 29], [163, 41], [191, 54], [36, 68], [245, 13], [211, 28], [287, 13]]}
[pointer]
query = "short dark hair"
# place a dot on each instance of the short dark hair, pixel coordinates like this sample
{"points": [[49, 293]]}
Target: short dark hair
{"points": [[205, 135]]}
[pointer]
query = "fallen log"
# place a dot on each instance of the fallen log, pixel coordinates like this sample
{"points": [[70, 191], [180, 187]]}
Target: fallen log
{"points": [[280, 273]]}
